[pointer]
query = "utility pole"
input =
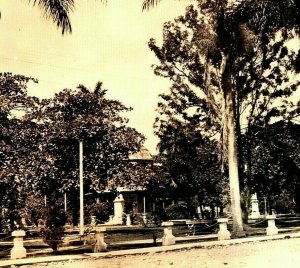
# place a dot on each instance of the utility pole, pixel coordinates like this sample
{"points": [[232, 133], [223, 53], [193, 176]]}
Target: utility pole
{"points": [[65, 197], [81, 219]]}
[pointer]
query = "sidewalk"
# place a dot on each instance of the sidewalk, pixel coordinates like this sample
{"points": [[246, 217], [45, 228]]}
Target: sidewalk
{"points": [[208, 244]]}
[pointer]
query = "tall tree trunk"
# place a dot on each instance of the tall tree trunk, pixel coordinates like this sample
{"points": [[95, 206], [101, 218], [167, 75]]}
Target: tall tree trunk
{"points": [[232, 150], [240, 151], [244, 189]]}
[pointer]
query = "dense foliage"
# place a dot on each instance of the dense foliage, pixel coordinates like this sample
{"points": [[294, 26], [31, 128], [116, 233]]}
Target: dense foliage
{"points": [[40, 146], [229, 68]]}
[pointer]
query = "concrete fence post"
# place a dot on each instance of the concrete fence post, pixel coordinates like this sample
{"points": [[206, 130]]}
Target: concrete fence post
{"points": [[99, 244], [128, 220], [18, 251], [168, 238], [223, 233], [271, 229]]}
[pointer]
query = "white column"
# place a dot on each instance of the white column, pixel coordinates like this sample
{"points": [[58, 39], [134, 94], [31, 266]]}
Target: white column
{"points": [[45, 200], [118, 209], [81, 219]]}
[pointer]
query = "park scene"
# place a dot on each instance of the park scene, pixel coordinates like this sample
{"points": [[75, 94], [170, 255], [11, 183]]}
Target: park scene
{"points": [[150, 133]]}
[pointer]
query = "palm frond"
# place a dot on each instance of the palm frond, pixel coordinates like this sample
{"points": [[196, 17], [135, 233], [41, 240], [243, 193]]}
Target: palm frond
{"points": [[147, 4], [98, 87], [83, 88], [58, 11]]}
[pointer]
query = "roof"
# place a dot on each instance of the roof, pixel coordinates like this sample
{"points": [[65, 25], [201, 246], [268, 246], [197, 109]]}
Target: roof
{"points": [[143, 154]]}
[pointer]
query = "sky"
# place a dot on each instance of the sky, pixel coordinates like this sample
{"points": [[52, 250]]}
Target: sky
{"points": [[108, 44]]}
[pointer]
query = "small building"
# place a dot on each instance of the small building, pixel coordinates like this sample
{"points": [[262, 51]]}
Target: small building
{"points": [[136, 197]]}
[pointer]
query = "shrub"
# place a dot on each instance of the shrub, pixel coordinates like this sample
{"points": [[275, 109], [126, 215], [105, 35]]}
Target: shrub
{"points": [[176, 212], [284, 204], [101, 210], [54, 229]]}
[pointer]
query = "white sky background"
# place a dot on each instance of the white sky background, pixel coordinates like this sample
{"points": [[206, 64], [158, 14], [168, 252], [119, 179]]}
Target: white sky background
{"points": [[108, 44]]}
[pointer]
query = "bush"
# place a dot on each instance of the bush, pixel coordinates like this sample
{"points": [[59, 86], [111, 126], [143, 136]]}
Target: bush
{"points": [[101, 210], [54, 229], [285, 204], [176, 212]]}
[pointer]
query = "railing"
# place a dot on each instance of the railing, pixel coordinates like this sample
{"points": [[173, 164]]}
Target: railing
{"points": [[125, 237]]}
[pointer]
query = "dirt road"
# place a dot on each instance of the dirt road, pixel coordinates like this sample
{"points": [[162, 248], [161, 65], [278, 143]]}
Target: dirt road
{"points": [[279, 253]]}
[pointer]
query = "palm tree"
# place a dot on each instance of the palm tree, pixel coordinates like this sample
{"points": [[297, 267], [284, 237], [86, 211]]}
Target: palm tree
{"points": [[263, 18], [58, 11]]}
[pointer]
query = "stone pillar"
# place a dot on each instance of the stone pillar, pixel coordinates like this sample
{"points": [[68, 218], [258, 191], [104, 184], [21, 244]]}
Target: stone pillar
{"points": [[128, 220], [118, 209], [99, 245], [254, 208], [18, 251], [93, 221], [272, 229], [223, 233], [168, 238]]}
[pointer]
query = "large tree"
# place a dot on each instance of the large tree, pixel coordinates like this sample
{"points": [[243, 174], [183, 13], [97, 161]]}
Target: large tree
{"points": [[191, 164], [17, 141], [229, 21], [84, 116], [190, 159], [264, 86], [39, 143], [275, 161]]}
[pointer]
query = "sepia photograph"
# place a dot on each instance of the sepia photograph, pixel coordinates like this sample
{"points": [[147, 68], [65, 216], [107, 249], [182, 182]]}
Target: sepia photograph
{"points": [[149, 133]]}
